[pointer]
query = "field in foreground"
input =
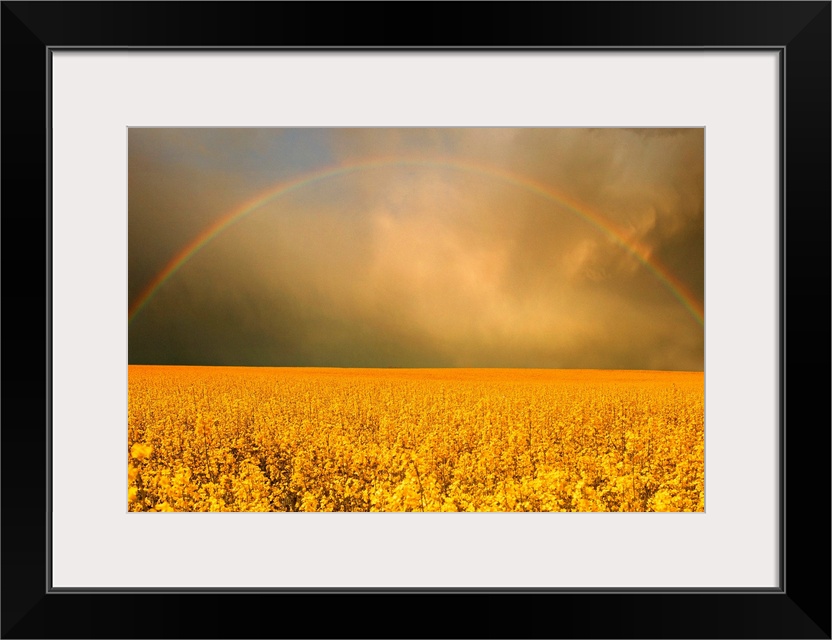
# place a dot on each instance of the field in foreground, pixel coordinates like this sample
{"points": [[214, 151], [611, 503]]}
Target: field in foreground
{"points": [[292, 439]]}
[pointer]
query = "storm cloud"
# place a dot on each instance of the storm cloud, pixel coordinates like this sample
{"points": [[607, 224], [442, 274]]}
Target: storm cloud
{"points": [[513, 247]]}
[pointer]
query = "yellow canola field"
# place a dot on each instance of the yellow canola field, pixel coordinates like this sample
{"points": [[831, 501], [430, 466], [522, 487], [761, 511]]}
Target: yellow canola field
{"points": [[302, 439]]}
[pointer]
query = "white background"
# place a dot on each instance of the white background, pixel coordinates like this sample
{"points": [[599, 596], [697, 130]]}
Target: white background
{"points": [[97, 96]]}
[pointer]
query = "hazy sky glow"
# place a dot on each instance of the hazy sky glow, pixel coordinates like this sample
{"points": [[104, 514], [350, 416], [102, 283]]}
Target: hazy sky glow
{"points": [[572, 248]]}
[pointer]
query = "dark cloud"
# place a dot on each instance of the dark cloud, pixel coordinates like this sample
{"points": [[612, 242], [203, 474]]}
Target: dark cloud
{"points": [[430, 264]]}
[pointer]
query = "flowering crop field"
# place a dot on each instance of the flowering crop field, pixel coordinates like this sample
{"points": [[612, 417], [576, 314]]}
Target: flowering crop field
{"points": [[305, 439]]}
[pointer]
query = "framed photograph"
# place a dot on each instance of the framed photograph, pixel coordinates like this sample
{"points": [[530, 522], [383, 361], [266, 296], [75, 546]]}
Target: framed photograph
{"points": [[495, 308]]}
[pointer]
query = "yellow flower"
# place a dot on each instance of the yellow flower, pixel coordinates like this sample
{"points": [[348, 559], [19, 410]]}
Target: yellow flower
{"points": [[141, 451], [131, 494]]}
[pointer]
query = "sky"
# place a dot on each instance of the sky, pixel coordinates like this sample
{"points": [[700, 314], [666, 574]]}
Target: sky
{"points": [[417, 247]]}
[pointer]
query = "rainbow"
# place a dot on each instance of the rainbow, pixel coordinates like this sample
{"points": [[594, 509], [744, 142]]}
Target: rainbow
{"points": [[637, 249]]}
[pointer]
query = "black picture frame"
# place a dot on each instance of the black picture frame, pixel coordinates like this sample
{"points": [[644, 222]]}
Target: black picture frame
{"points": [[799, 608]]}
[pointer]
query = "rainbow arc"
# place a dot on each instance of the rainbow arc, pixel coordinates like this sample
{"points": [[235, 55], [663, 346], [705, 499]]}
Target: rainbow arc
{"points": [[641, 252]]}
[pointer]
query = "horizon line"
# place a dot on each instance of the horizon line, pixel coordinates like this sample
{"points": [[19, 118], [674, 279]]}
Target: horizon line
{"points": [[400, 368]]}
